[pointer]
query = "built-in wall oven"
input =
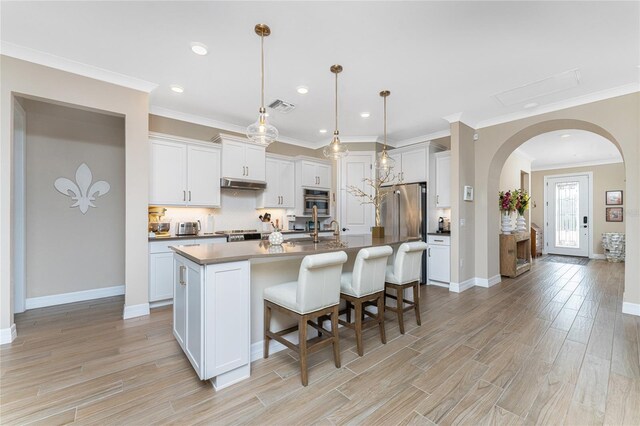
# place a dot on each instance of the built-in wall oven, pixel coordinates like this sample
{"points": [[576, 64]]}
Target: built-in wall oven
{"points": [[316, 197]]}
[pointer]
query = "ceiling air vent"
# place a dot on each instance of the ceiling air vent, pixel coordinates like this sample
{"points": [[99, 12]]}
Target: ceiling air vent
{"points": [[282, 106]]}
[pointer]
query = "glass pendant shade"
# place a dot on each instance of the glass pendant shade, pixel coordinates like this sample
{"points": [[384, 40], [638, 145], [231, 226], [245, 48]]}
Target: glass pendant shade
{"points": [[384, 162], [261, 131], [335, 150]]}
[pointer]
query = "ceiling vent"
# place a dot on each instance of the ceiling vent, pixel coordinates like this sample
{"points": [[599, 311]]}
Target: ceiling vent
{"points": [[556, 83], [282, 106]]}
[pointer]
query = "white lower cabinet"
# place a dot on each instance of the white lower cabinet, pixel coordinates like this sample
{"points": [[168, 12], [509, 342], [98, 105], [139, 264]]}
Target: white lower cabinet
{"points": [[211, 318], [439, 259]]}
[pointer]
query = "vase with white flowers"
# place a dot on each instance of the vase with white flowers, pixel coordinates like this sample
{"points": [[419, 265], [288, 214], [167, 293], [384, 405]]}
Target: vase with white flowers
{"points": [[507, 205], [521, 205]]}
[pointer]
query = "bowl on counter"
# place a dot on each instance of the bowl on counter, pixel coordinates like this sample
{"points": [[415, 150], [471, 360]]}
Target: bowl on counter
{"points": [[159, 226]]}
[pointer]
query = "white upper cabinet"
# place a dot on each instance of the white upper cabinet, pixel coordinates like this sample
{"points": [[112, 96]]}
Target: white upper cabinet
{"points": [[443, 179], [315, 174], [184, 172], [242, 159], [411, 164], [280, 192]]}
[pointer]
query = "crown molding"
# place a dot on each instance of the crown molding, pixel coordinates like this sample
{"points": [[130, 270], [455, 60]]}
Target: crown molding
{"points": [[557, 106], [221, 125], [574, 165], [74, 67], [423, 138], [453, 118]]}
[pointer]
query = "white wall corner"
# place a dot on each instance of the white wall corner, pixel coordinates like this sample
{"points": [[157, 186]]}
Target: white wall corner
{"points": [[257, 349], [133, 311], [460, 287], [488, 282], [8, 335], [631, 308], [76, 296]]}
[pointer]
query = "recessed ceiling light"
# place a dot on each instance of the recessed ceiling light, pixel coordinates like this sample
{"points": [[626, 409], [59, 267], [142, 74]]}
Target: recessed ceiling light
{"points": [[531, 105], [565, 135], [365, 114], [177, 89], [323, 130], [199, 48], [303, 90]]}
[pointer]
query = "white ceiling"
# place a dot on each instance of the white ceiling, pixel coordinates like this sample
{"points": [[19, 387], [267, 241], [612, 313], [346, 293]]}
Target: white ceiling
{"points": [[580, 148], [437, 58]]}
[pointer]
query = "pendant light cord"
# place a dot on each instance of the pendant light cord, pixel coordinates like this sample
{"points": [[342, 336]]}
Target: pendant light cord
{"points": [[262, 72], [385, 124], [336, 102]]}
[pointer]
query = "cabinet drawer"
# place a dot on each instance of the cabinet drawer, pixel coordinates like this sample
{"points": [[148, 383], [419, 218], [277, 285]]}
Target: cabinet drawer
{"points": [[163, 246], [441, 240]]}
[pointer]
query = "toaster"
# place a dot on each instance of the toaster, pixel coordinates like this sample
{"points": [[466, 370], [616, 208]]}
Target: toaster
{"points": [[188, 228]]}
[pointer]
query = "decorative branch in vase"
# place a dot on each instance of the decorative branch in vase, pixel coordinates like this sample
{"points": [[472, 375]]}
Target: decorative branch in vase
{"points": [[375, 197]]}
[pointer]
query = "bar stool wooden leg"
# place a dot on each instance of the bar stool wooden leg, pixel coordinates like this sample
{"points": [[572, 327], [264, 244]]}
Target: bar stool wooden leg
{"points": [[400, 307], [334, 330], [348, 311], [302, 328], [380, 305], [358, 327], [267, 325], [416, 302]]}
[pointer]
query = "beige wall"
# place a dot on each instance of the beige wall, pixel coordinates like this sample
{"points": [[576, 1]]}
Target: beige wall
{"points": [[607, 177], [68, 251], [617, 119], [24, 78], [513, 167]]}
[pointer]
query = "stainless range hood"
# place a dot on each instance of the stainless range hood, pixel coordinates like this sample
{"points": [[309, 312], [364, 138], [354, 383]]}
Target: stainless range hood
{"points": [[234, 183]]}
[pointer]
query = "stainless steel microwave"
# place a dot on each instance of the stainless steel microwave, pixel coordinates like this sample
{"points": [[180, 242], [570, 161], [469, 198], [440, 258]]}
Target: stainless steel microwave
{"points": [[318, 198]]}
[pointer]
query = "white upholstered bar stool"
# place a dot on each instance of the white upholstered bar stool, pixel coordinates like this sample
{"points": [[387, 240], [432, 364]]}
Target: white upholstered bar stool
{"points": [[315, 294], [363, 287], [403, 274]]}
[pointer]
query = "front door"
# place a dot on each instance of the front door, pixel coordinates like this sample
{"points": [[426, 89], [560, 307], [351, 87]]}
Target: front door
{"points": [[567, 215]]}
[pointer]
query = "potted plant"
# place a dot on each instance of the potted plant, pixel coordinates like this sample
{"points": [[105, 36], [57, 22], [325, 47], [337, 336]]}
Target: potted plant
{"points": [[506, 204], [521, 205], [375, 197]]}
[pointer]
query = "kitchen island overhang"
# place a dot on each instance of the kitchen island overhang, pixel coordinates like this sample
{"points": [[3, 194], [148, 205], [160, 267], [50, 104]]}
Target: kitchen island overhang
{"points": [[218, 306]]}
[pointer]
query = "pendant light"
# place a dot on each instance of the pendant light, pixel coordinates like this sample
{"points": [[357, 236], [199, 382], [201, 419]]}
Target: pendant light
{"points": [[384, 162], [335, 149], [262, 132]]}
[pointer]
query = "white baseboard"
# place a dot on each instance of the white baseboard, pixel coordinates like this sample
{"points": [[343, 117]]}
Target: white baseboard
{"points": [[257, 349], [460, 287], [76, 296], [160, 303], [133, 311], [8, 335], [597, 256], [438, 284], [631, 308], [488, 282]]}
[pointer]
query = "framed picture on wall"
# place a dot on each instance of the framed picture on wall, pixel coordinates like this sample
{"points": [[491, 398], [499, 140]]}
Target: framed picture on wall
{"points": [[614, 198], [614, 214]]}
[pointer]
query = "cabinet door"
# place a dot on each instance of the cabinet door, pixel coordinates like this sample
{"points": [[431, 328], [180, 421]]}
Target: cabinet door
{"points": [[203, 176], [414, 165], [233, 164], [443, 181], [270, 197], [309, 174], [194, 319], [179, 301], [438, 263], [160, 276], [324, 176], [255, 162], [168, 180], [287, 175]]}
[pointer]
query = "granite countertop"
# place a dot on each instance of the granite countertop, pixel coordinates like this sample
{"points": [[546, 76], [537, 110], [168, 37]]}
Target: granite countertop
{"points": [[205, 254], [186, 237], [444, 234]]}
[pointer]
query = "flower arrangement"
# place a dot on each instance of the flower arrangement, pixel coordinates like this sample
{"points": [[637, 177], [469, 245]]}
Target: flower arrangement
{"points": [[506, 201], [521, 201]]}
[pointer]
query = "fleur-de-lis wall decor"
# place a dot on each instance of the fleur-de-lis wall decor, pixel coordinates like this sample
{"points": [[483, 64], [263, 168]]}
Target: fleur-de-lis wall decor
{"points": [[83, 193]]}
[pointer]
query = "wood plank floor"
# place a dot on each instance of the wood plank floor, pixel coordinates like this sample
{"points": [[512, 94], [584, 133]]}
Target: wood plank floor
{"points": [[550, 347]]}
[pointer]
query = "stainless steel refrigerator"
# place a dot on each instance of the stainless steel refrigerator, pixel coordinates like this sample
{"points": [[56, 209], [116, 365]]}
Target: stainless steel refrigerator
{"points": [[404, 214]]}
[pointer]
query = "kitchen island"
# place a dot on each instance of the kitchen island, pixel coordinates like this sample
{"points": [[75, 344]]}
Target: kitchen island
{"points": [[218, 307]]}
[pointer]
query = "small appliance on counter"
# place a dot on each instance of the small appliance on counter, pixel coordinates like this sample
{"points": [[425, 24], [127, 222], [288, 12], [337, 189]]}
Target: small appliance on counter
{"points": [[241, 234], [158, 227], [207, 229], [188, 228]]}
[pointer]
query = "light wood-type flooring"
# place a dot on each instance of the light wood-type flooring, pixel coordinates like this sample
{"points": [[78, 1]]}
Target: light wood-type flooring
{"points": [[550, 347]]}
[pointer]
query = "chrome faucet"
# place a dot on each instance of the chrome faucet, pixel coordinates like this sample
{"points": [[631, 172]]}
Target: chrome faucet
{"points": [[316, 224], [337, 230]]}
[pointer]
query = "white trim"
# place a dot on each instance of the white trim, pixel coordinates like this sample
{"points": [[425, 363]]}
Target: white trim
{"points": [[437, 283], [8, 335], [424, 138], [160, 303], [557, 106], [134, 311], [631, 308], [209, 122], [597, 256], [460, 287], [572, 165], [453, 118], [488, 282], [19, 237], [74, 67], [257, 349], [76, 296]]}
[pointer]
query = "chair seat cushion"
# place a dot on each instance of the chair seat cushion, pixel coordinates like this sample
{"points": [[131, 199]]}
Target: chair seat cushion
{"points": [[283, 295], [391, 278], [346, 287]]}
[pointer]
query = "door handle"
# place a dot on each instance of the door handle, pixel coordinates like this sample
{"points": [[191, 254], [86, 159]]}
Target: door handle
{"points": [[247, 170], [437, 199], [429, 252], [184, 195], [182, 270], [189, 195], [585, 221]]}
